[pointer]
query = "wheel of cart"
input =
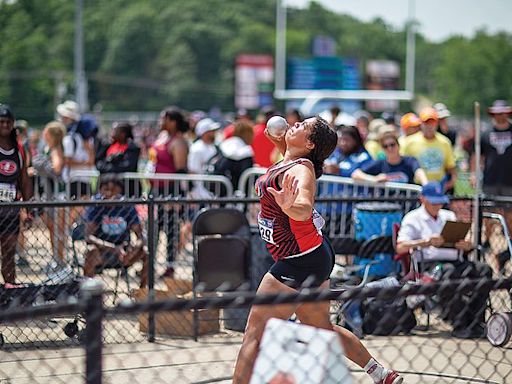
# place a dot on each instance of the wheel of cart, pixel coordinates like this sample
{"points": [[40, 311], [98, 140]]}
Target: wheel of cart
{"points": [[72, 329], [499, 324]]}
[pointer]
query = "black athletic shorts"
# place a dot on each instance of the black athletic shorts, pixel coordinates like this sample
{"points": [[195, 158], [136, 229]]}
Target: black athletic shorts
{"points": [[315, 267]]}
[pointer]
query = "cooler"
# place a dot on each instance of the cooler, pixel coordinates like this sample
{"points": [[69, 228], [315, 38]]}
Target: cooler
{"points": [[377, 219]]}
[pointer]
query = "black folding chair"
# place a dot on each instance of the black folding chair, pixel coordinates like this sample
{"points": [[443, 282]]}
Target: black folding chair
{"points": [[222, 246]]}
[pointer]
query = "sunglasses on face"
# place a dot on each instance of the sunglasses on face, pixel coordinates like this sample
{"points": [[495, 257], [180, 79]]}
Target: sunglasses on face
{"points": [[389, 145]]}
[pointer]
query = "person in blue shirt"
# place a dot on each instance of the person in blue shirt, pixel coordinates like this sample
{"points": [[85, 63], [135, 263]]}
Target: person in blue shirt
{"points": [[349, 155], [394, 168], [107, 232], [346, 158]]}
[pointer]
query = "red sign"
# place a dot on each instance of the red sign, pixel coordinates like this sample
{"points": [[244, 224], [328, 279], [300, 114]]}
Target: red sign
{"points": [[254, 78]]}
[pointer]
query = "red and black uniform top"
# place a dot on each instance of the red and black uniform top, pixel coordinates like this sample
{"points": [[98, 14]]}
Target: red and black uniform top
{"points": [[285, 237]]}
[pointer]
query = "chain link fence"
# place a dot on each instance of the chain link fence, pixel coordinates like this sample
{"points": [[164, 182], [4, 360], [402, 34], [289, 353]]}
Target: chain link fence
{"points": [[289, 351], [178, 327]]}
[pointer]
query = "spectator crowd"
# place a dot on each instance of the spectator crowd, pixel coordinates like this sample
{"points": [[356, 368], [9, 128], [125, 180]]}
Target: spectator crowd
{"points": [[409, 148]]}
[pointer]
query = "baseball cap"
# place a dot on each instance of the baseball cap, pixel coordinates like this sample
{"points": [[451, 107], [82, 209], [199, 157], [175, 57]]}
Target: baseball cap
{"points": [[21, 125], [387, 130], [410, 120], [5, 111], [373, 128], [206, 125], [433, 192], [498, 107], [442, 111], [428, 113], [69, 109]]}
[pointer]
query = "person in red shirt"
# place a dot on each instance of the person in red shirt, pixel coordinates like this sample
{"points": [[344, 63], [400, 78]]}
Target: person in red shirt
{"points": [[291, 229], [120, 155], [261, 145]]}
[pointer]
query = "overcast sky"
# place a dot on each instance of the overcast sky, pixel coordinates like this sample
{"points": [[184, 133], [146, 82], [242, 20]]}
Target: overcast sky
{"points": [[438, 18]]}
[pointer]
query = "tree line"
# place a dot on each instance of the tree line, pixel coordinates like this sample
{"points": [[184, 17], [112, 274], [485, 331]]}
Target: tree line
{"points": [[142, 55]]}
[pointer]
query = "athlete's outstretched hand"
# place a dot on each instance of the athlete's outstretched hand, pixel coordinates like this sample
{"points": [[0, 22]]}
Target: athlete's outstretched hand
{"points": [[288, 193]]}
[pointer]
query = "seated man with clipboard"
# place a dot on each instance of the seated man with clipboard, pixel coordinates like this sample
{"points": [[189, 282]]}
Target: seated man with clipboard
{"points": [[437, 238]]}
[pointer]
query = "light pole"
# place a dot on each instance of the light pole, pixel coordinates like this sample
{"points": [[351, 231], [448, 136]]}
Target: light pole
{"points": [[280, 56], [410, 57], [80, 78]]}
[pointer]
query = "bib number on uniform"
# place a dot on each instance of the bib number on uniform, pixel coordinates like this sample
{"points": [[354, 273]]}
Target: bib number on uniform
{"points": [[318, 221], [266, 227], [7, 192]]}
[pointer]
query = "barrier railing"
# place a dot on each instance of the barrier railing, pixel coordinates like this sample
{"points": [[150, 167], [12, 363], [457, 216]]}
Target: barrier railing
{"points": [[338, 215], [136, 184]]}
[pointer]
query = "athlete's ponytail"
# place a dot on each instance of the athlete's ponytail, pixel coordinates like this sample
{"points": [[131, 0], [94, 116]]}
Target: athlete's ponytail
{"points": [[325, 140]]}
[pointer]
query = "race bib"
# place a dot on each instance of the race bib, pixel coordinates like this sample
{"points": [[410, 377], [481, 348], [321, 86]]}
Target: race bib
{"points": [[7, 192], [318, 221], [266, 227]]}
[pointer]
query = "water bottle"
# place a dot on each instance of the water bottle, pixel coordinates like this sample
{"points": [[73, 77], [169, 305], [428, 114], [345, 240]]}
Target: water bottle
{"points": [[437, 272]]}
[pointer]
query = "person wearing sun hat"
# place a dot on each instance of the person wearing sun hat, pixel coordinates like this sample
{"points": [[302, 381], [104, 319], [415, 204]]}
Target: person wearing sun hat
{"points": [[497, 151], [496, 147], [421, 229], [433, 151]]}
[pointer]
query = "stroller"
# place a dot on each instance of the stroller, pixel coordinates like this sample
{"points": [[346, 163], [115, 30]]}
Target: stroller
{"points": [[27, 295]]}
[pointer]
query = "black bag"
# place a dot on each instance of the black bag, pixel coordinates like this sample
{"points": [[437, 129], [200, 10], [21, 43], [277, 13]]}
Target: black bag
{"points": [[387, 317], [219, 164]]}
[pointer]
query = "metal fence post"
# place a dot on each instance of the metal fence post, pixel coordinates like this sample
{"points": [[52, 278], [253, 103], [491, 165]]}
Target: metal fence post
{"points": [[92, 292], [151, 265], [478, 232]]}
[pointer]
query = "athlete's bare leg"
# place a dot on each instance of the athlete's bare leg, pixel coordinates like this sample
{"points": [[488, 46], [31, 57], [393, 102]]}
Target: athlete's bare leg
{"points": [[258, 317], [314, 314]]}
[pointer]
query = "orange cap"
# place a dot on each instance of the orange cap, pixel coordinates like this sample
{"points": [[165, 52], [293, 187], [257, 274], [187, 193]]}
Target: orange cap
{"points": [[410, 120], [428, 114]]}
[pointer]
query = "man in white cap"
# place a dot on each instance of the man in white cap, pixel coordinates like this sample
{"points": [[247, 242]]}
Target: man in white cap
{"points": [[443, 114], [203, 149]]}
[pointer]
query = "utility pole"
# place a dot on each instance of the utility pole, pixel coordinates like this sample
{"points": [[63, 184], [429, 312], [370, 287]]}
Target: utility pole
{"points": [[410, 57], [80, 78], [280, 56]]}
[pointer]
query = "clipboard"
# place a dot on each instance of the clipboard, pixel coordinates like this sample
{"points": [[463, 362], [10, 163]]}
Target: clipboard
{"points": [[454, 231]]}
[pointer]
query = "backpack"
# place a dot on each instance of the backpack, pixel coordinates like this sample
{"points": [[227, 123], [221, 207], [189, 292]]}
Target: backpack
{"points": [[387, 317], [87, 127], [219, 164]]}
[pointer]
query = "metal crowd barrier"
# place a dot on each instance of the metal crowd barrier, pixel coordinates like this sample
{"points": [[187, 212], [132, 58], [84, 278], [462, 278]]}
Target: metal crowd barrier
{"points": [[136, 184], [338, 215]]}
